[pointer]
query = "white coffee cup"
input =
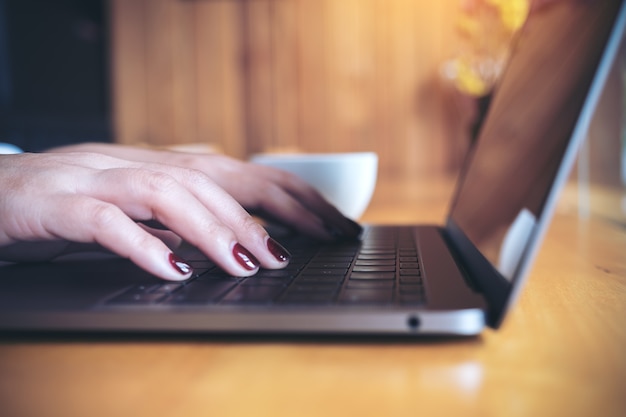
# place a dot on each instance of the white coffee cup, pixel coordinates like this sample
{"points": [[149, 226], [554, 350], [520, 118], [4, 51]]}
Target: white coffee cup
{"points": [[346, 180]]}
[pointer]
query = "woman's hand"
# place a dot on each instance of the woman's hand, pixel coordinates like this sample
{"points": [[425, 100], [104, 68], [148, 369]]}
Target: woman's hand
{"points": [[55, 202], [270, 193], [49, 200]]}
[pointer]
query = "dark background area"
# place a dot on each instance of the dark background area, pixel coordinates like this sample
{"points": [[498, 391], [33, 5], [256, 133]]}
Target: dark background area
{"points": [[54, 79]]}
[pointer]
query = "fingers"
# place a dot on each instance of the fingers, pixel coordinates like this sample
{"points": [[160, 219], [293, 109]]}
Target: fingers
{"points": [[335, 222], [274, 194], [91, 198], [188, 203], [82, 219], [171, 239], [302, 206]]}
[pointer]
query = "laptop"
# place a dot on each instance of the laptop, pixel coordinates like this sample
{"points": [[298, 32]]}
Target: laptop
{"points": [[450, 279]]}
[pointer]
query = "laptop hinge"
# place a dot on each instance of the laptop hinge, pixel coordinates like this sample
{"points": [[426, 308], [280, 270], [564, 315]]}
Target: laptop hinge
{"points": [[478, 272]]}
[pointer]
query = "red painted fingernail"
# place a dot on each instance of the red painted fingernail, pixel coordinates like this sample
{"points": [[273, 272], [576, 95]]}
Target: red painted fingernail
{"points": [[278, 251], [245, 258], [180, 265]]}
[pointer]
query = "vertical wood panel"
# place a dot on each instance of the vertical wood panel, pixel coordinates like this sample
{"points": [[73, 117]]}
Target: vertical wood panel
{"points": [[349, 60], [259, 89], [160, 28], [408, 64], [219, 77], [255, 75], [369, 23], [233, 80], [313, 89], [458, 111], [208, 68], [284, 72], [184, 104], [384, 131], [130, 117]]}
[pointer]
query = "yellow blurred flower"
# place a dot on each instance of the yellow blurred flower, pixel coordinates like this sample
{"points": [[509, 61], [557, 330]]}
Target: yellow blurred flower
{"points": [[513, 13], [468, 81], [487, 27]]}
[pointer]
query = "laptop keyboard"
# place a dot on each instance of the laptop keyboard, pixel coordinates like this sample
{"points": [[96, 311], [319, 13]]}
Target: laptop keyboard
{"points": [[383, 268]]}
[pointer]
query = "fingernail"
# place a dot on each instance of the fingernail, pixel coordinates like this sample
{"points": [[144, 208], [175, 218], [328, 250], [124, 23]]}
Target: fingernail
{"points": [[245, 258], [278, 251], [180, 265]]}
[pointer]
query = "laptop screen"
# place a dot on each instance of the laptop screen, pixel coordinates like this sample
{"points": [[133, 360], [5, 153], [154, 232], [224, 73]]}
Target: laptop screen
{"points": [[533, 115]]}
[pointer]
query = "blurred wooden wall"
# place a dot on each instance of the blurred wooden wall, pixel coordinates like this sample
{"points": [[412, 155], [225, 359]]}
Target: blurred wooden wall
{"points": [[315, 75]]}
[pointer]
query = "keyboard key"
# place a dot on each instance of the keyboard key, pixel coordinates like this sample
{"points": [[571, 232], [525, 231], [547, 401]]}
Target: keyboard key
{"points": [[256, 280], [379, 251], [319, 278], [328, 265], [376, 262], [214, 275], [368, 257], [324, 271], [202, 291], [170, 287], [306, 298], [290, 271], [201, 264], [143, 288], [415, 279], [253, 294], [366, 296], [373, 275], [385, 268], [333, 259], [366, 284], [136, 298], [314, 287]]}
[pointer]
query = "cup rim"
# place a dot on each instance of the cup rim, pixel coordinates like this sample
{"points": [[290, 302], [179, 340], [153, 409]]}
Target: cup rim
{"points": [[311, 157]]}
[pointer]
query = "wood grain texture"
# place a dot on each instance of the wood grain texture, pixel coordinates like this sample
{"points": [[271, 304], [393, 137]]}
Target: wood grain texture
{"points": [[129, 95], [219, 90], [259, 80], [257, 75]]}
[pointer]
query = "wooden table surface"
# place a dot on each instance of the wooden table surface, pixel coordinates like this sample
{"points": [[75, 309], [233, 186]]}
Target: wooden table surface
{"points": [[560, 352]]}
